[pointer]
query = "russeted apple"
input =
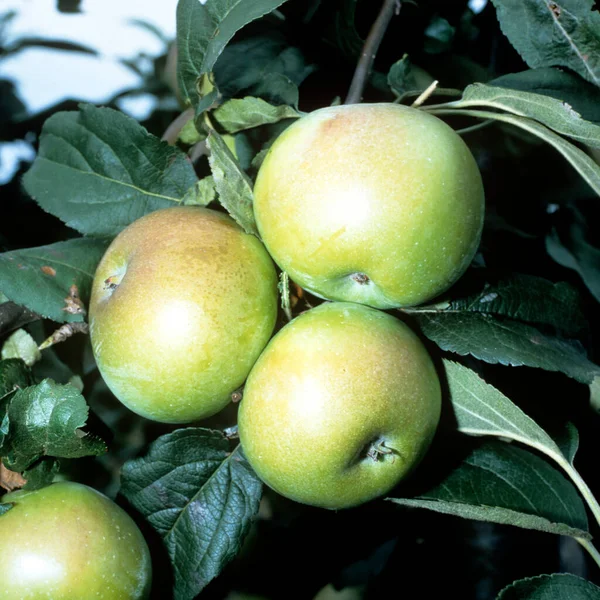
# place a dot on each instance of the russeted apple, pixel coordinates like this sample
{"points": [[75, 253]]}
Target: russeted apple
{"points": [[67, 541], [340, 407], [183, 303], [379, 204]]}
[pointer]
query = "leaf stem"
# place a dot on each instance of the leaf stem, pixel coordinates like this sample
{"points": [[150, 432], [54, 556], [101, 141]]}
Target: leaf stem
{"points": [[369, 51], [582, 486], [592, 551], [174, 129], [475, 127]]}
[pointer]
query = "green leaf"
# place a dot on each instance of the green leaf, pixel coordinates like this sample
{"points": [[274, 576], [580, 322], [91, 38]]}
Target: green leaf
{"points": [[47, 420], [21, 345], [564, 33], [233, 185], [584, 164], [202, 194], [556, 114], [203, 31], [41, 474], [99, 170], [189, 134], [501, 483], [238, 115], [199, 496], [559, 586], [481, 409], [562, 85], [506, 342], [523, 298], [42, 279]]}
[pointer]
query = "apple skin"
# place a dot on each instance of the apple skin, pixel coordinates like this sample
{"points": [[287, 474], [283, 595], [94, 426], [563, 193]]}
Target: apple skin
{"points": [[183, 303], [69, 541], [379, 204], [328, 389]]}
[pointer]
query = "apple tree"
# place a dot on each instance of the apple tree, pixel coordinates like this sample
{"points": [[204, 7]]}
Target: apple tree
{"points": [[495, 493]]}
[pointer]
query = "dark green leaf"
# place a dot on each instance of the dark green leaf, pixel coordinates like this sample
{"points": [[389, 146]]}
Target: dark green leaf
{"points": [[559, 586], [506, 342], [400, 78], [14, 375], [251, 66], [564, 33], [237, 115], [278, 89], [344, 32], [573, 250], [47, 420], [199, 496], [99, 170], [556, 114], [41, 278], [4, 508], [21, 345], [13, 316], [41, 474], [233, 185], [439, 35], [562, 85], [501, 483], [523, 298], [203, 31]]}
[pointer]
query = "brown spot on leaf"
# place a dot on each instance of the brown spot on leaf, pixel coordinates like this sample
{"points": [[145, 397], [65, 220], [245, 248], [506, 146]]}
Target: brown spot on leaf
{"points": [[10, 480], [73, 303], [48, 270], [555, 8]]}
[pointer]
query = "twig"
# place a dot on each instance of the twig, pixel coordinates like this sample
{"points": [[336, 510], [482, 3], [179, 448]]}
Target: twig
{"points": [[365, 63], [174, 129]]}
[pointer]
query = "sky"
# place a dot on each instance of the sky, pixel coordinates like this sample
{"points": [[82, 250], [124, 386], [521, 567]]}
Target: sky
{"points": [[44, 77]]}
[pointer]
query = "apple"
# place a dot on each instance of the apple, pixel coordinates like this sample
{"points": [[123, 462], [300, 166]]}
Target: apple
{"points": [[67, 541], [379, 204], [340, 407], [182, 304]]}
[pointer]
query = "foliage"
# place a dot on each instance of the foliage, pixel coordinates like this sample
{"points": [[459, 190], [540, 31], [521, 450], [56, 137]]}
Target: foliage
{"points": [[515, 339]]}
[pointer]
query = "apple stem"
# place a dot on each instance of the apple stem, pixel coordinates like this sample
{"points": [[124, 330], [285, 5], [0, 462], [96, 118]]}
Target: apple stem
{"points": [[369, 51], [423, 97]]}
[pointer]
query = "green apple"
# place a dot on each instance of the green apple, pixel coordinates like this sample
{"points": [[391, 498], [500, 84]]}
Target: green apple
{"points": [[69, 542], [341, 405], [379, 204], [183, 303]]}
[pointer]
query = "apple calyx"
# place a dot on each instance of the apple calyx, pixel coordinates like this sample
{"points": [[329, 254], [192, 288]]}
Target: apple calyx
{"points": [[378, 450], [360, 278]]}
